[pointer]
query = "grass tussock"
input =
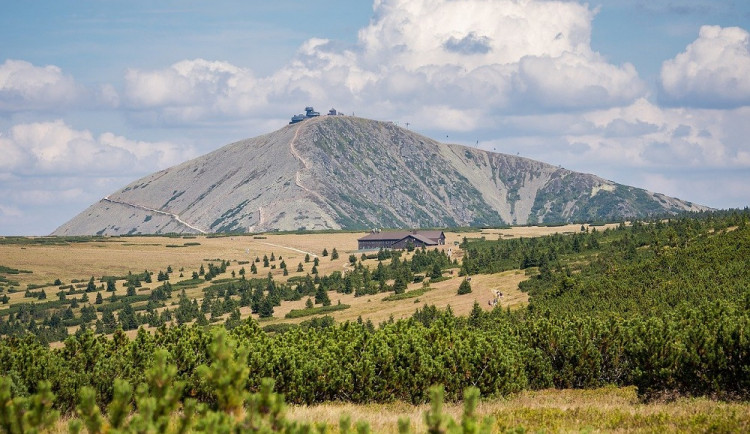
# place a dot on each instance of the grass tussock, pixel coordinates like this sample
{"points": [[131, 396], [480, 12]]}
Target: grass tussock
{"points": [[608, 409]]}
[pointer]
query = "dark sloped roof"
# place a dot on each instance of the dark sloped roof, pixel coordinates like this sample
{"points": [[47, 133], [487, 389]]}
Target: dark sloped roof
{"points": [[421, 238], [385, 236], [424, 236], [434, 235]]}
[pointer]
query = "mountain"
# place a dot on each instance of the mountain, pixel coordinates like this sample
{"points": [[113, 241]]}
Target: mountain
{"points": [[340, 172]]}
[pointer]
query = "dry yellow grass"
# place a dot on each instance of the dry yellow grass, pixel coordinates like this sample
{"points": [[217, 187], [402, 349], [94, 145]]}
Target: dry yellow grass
{"points": [[442, 294], [598, 410], [538, 231], [120, 255], [608, 409]]}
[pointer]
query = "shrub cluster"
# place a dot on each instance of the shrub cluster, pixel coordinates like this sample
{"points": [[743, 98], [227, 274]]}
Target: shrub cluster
{"points": [[156, 404]]}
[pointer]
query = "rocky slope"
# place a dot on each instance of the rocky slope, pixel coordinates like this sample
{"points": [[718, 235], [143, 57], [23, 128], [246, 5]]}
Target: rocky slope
{"points": [[345, 172]]}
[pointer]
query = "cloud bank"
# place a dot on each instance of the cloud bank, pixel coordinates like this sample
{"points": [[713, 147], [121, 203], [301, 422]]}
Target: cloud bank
{"points": [[24, 86], [51, 171], [711, 72], [56, 148], [508, 56]]}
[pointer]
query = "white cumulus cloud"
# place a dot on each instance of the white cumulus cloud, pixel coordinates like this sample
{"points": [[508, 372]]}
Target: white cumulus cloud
{"points": [[713, 71], [194, 90], [646, 135], [473, 33], [501, 56], [27, 87], [575, 81], [24, 86], [56, 148], [498, 56], [50, 171]]}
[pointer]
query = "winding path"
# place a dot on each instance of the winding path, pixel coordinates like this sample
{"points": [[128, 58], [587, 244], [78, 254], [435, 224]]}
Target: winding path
{"points": [[305, 164], [156, 211]]}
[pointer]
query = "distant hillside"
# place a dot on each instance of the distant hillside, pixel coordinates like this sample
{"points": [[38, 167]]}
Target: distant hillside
{"points": [[338, 172]]}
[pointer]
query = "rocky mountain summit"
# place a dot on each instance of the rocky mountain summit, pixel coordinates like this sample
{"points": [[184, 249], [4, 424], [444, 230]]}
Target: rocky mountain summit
{"points": [[341, 172]]}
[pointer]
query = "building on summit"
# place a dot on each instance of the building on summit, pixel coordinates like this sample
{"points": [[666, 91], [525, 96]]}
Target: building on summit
{"points": [[401, 239], [311, 113]]}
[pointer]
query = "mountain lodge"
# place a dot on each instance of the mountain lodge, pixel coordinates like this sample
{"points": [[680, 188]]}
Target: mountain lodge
{"points": [[401, 239]]}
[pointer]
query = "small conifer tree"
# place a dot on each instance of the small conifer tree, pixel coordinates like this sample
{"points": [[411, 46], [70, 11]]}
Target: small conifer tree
{"points": [[464, 288], [321, 296]]}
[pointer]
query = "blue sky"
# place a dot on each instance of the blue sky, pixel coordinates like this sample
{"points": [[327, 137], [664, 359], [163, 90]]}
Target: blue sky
{"points": [[94, 94]]}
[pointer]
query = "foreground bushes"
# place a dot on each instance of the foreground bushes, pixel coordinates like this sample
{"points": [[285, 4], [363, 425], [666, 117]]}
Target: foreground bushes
{"points": [[158, 407], [702, 351], [705, 350]]}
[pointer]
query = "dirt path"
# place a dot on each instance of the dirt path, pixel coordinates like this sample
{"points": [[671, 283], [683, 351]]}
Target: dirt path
{"points": [[305, 164], [260, 220], [156, 211], [289, 248]]}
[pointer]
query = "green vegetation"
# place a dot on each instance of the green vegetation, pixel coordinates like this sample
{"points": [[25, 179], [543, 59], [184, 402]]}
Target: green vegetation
{"points": [[190, 283], [298, 313], [662, 306], [406, 295], [230, 407], [52, 241], [464, 287], [189, 244], [9, 270]]}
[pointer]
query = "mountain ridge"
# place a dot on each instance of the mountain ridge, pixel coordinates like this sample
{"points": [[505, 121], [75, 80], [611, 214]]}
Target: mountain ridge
{"points": [[341, 172]]}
